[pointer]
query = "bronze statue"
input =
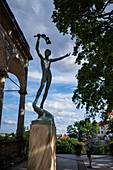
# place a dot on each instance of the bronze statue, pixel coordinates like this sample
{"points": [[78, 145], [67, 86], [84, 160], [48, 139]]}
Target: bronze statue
{"points": [[46, 73]]}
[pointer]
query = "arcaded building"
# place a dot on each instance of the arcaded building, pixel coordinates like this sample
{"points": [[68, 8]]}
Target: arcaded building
{"points": [[14, 58]]}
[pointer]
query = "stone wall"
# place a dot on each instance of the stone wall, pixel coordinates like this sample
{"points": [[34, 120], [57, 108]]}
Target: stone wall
{"points": [[11, 148]]}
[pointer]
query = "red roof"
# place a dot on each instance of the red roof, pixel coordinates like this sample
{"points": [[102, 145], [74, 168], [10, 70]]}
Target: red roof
{"points": [[101, 123], [64, 136], [110, 113]]}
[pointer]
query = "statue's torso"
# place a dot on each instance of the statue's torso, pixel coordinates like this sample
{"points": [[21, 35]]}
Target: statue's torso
{"points": [[45, 63]]}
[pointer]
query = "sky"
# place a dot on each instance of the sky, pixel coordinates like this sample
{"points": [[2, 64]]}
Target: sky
{"points": [[34, 16]]}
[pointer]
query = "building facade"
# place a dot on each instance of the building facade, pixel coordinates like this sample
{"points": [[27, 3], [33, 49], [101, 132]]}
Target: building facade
{"points": [[14, 58], [103, 128]]}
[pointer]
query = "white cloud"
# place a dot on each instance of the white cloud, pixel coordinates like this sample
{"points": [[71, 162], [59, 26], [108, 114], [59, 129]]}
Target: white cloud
{"points": [[66, 79], [34, 74], [37, 8], [10, 106], [9, 121], [21, 3], [5, 107], [28, 107]]}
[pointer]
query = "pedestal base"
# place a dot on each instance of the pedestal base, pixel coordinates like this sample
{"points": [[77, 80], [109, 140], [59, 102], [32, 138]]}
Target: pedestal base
{"points": [[42, 147]]}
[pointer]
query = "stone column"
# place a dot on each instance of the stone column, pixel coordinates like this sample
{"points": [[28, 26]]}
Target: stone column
{"points": [[20, 125], [3, 75]]}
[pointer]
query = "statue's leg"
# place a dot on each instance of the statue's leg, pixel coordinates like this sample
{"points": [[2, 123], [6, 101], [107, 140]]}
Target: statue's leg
{"points": [[46, 91], [39, 91]]}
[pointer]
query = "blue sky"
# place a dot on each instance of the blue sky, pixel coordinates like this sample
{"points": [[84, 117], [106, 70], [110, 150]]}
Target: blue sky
{"points": [[34, 16]]}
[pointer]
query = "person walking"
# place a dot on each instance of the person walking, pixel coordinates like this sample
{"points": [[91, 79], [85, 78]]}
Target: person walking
{"points": [[88, 145]]}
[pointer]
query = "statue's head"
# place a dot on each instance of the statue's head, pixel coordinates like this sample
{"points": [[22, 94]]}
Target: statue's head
{"points": [[47, 53]]}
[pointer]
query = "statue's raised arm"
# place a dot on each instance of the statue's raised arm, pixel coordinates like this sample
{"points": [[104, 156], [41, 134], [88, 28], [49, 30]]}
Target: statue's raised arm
{"points": [[37, 46], [60, 58]]}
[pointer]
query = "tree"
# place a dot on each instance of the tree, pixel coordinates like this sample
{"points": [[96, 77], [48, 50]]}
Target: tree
{"points": [[109, 122], [81, 129], [90, 23], [9, 136], [26, 133]]}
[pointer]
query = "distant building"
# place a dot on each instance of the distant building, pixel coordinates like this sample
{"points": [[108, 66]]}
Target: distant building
{"points": [[110, 115], [64, 136], [103, 129]]}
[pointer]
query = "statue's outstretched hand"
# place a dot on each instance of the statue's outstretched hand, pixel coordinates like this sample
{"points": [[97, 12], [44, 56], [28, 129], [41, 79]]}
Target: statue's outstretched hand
{"points": [[38, 35], [43, 36], [68, 54]]}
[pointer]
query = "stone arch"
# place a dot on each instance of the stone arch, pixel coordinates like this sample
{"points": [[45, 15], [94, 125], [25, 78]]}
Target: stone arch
{"points": [[15, 67], [12, 61], [14, 58]]}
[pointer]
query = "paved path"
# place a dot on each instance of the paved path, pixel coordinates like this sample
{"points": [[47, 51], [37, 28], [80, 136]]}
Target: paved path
{"points": [[101, 162], [73, 162], [65, 162]]}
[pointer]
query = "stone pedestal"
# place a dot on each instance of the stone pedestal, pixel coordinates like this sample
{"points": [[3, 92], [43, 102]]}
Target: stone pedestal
{"points": [[42, 147]]}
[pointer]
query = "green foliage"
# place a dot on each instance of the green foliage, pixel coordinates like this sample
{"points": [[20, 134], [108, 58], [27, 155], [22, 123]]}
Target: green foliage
{"points": [[65, 149], [67, 146], [81, 129], [110, 141], [10, 136], [110, 146], [100, 148], [92, 27], [26, 137], [109, 122], [83, 148]]}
